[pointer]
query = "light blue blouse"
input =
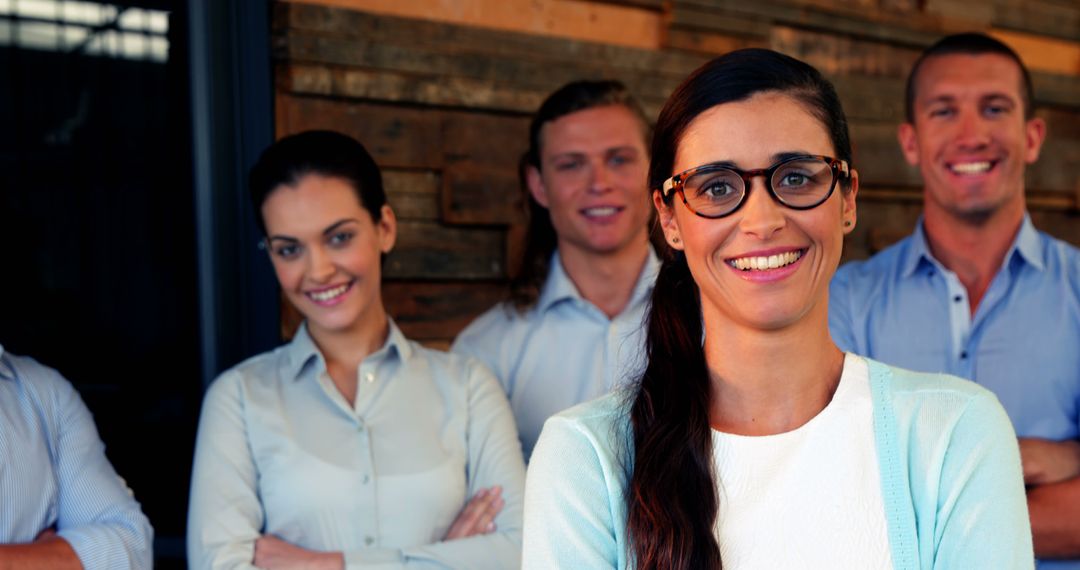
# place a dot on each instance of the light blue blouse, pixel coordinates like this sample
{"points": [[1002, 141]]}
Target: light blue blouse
{"points": [[281, 452], [948, 459]]}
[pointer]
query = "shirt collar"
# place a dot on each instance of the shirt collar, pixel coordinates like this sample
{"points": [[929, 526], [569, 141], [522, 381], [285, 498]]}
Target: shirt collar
{"points": [[1026, 244], [302, 351], [559, 287]]}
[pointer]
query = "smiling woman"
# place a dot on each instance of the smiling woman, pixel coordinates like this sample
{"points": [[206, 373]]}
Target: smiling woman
{"points": [[350, 444], [750, 439]]}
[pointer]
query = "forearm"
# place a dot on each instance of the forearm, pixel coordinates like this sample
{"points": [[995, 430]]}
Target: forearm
{"points": [[54, 553], [1055, 519], [495, 551]]}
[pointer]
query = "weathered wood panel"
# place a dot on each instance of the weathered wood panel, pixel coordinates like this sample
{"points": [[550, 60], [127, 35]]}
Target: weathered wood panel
{"points": [[844, 55], [429, 250], [311, 20], [603, 22], [414, 195], [395, 136], [898, 26], [1058, 19], [479, 194], [438, 310]]}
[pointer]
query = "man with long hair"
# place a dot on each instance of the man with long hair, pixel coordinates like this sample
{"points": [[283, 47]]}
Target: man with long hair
{"points": [[571, 328]]}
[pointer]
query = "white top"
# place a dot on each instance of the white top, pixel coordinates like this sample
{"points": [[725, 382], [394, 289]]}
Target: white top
{"points": [[808, 498], [281, 452]]}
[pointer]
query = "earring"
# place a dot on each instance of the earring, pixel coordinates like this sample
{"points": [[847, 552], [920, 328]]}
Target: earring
{"points": [[847, 223], [674, 239]]}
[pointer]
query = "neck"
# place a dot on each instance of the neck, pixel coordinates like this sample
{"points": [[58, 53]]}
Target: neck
{"points": [[344, 350], [772, 381], [972, 249], [605, 280]]}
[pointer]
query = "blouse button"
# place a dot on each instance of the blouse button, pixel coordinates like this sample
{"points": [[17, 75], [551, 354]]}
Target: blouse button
{"points": [[368, 540], [366, 479], [369, 377]]}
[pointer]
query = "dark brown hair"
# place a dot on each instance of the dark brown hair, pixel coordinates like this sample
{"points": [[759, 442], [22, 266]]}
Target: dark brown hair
{"points": [[540, 237], [672, 501], [326, 153]]}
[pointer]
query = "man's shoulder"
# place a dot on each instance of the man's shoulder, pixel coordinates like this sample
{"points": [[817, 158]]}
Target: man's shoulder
{"points": [[494, 326], [1062, 257], [34, 376]]}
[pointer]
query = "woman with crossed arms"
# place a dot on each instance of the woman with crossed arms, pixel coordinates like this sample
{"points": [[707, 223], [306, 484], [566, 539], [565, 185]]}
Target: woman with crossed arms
{"points": [[350, 446]]}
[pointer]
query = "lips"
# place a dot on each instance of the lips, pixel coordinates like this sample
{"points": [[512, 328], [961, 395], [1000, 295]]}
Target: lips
{"points": [[329, 295], [766, 262]]}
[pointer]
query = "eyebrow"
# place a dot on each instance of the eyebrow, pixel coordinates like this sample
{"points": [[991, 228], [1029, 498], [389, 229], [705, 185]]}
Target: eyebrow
{"points": [[947, 98], [775, 158], [577, 153], [329, 230]]}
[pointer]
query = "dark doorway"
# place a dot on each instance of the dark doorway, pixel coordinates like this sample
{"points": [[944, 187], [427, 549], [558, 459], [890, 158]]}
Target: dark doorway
{"points": [[98, 212]]}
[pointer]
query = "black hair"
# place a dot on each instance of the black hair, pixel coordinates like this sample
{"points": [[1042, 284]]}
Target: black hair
{"points": [[672, 501], [326, 153], [971, 43], [540, 236]]}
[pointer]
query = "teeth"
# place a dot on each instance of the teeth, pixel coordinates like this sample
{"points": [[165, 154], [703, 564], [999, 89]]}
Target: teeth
{"points": [[762, 263], [601, 211], [971, 167], [323, 296]]}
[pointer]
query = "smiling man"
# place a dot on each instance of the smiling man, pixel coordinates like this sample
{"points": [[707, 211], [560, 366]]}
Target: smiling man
{"points": [[977, 291], [571, 330]]}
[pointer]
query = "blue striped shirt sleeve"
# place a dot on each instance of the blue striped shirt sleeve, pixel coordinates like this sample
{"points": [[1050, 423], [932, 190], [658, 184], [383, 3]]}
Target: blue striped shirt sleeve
{"points": [[96, 512]]}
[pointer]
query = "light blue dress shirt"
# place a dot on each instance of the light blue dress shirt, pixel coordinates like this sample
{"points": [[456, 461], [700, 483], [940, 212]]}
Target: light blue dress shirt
{"points": [[950, 472], [563, 350], [54, 473], [905, 308], [280, 451]]}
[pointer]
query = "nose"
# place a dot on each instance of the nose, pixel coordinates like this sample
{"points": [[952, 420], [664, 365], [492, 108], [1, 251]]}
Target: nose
{"points": [[761, 216], [600, 177], [320, 265], [972, 131]]}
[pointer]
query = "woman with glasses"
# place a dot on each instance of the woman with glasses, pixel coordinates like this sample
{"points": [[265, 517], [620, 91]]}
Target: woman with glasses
{"points": [[350, 446], [751, 441]]}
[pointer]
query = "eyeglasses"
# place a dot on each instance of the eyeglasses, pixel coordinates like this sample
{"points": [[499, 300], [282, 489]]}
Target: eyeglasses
{"points": [[716, 190]]}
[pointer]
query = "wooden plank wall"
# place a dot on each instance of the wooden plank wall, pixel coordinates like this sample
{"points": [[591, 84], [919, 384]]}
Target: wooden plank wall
{"points": [[441, 94]]}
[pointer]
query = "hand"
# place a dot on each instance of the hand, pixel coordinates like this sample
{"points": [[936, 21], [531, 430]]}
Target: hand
{"points": [[1046, 461], [478, 516], [272, 553]]}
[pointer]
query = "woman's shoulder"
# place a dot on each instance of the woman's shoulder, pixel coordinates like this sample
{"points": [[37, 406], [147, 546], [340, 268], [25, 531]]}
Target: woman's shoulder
{"points": [[941, 397], [904, 382], [603, 423], [260, 371]]}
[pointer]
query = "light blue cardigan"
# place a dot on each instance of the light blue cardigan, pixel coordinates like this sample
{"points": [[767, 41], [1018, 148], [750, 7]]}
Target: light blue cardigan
{"points": [[950, 479]]}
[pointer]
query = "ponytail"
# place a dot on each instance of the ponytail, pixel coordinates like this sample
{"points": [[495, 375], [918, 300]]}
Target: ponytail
{"points": [[671, 497]]}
